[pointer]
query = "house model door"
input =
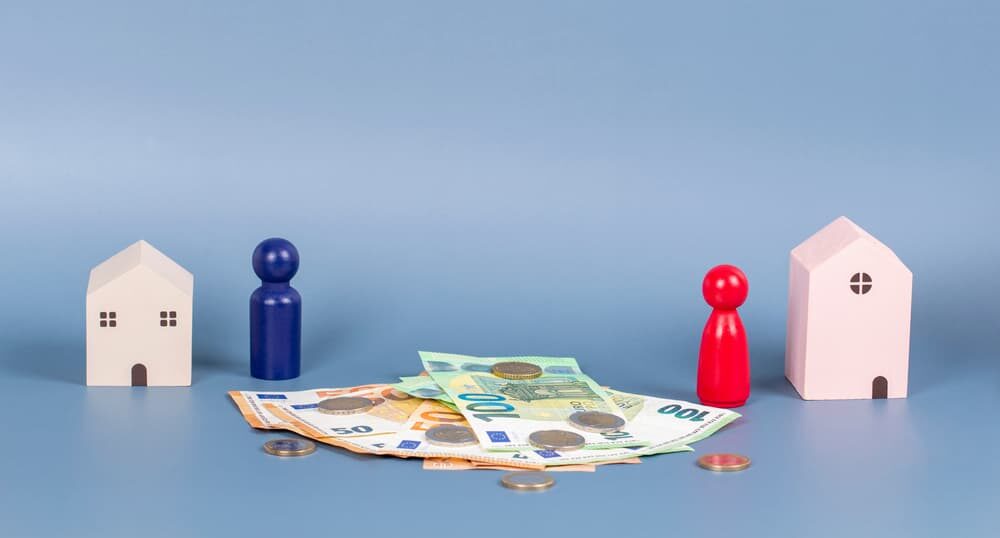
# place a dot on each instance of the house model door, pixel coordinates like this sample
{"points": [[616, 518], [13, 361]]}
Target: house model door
{"points": [[139, 375]]}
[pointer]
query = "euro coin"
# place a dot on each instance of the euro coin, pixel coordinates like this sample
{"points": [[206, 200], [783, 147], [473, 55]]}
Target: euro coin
{"points": [[556, 440], [451, 435], [724, 462], [596, 421], [516, 370], [528, 480], [289, 447], [345, 405]]}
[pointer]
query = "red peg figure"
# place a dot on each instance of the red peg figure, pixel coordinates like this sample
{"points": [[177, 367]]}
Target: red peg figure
{"points": [[724, 359]]}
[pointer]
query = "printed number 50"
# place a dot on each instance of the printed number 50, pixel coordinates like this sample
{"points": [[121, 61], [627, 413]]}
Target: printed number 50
{"points": [[354, 429]]}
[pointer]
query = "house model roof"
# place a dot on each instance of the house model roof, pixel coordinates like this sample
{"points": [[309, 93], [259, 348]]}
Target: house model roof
{"points": [[833, 239], [142, 254]]}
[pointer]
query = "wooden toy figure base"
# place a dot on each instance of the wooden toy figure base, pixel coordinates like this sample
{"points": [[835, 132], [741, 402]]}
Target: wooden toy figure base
{"points": [[724, 405]]}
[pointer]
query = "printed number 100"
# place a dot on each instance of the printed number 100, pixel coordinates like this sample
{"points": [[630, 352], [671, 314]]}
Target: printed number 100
{"points": [[684, 414], [486, 407]]}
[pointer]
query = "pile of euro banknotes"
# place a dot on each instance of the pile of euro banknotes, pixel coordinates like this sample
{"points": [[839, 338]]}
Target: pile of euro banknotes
{"points": [[503, 413]]}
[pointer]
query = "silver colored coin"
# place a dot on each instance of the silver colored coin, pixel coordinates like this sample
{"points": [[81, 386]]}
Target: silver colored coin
{"points": [[556, 440], [516, 370], [528, 480], [345, 405], [289, 447], [596, 421], [451, 435]]}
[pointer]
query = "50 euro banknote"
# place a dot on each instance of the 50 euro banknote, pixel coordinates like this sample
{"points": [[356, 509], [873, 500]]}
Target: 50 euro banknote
{"points": [[390, 409], [373, 432], [458, 464]]}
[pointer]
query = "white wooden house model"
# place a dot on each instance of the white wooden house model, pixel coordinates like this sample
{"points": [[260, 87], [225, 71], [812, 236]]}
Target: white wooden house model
{"points": [[139, 306], [849, 304]]}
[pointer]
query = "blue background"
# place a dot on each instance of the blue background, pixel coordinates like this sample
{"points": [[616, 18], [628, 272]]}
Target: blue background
{"points": [[496, 179]]}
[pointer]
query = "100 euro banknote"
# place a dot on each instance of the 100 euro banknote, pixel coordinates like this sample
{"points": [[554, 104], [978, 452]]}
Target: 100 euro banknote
{"points": [[411, 440], [505, 412]]}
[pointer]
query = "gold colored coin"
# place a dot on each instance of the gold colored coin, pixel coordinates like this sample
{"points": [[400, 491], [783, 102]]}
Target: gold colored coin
{"points": [[556, 440], [724, 462], [289, 447], [451, 435], [596, 421], [528, 480], [515, 370], [345, 405]]}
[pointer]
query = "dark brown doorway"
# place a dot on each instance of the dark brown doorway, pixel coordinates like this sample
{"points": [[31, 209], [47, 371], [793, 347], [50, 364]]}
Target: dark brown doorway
{"points": [[139, 375], [880, 388]]}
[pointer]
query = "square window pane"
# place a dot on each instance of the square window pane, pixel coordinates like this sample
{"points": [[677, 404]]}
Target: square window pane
{"points": [[163, 313], [163, 323], [173, 314], [173, 323], [112, 315], [104, 323], [104, 315], [113, 323]]}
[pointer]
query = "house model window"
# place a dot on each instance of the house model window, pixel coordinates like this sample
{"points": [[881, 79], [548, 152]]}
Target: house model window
{"points": [[109, 319], [861, 283], [168, 318]]}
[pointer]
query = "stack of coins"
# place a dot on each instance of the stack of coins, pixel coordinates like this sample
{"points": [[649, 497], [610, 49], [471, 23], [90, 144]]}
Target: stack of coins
{"points": [[528, 480], [345, 405], [596, 421], [289, 447], [451, 435], [516, 370], [724, 462], [556, 440]]}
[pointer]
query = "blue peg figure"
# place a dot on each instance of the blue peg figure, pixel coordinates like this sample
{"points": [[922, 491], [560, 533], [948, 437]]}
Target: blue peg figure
{"points": [[275, 312]]}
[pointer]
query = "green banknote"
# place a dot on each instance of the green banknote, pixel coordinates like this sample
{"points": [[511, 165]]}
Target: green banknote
{"points": [[411, 439], [668, 423], [505, 412], [424, 386]]}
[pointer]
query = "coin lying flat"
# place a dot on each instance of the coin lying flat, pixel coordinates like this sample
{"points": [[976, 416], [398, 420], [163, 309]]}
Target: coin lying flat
{"points": [[528, 480], [451, 435], [516, 370], [345, 405], [596, 421], [556, 440], [724, 462], [289, 447]]}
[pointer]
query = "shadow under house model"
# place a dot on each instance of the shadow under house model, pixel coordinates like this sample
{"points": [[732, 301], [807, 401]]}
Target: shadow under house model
{"points": [[139, 306], [849, 304]]}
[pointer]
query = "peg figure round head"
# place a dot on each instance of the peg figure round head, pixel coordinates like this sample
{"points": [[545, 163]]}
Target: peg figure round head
{"points": [[275, 260], [725, 287]]}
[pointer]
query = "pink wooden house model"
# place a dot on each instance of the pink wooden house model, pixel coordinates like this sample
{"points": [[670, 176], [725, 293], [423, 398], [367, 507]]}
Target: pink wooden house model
{"points": [[848, 316], [139, 305]]}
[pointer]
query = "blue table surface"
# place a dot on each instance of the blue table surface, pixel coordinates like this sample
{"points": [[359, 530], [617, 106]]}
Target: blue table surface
{"points": [[496, 179]]}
